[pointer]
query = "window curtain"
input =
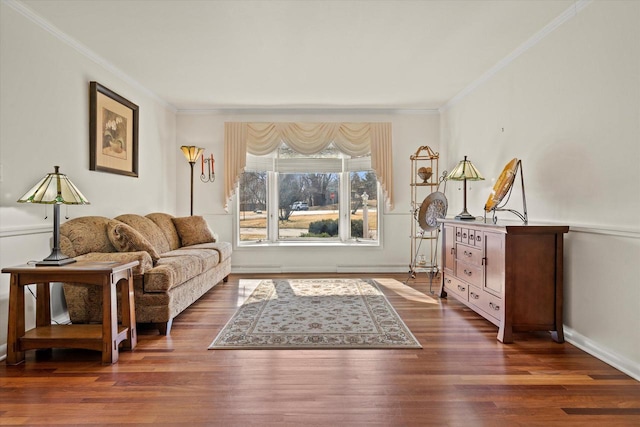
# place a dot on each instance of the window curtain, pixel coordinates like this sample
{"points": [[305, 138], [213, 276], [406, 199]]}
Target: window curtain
{"points": [[261, 138]]}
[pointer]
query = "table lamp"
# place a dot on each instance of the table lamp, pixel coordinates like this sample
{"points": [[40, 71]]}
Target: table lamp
{"points": [[55, 189], [465, 171]]}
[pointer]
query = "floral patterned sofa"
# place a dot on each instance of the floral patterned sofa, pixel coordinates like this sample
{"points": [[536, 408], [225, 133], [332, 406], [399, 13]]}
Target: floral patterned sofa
{"points": [[179, 258]]}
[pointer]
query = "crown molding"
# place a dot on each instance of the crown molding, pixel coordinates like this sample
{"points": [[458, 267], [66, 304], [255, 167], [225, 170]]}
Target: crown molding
{"points": [[308, 110], [84, 50], [565, 16]]}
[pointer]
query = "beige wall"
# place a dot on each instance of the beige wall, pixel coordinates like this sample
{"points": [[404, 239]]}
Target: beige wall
{"points": [[570, 109], [44, 120], [410, 130]]}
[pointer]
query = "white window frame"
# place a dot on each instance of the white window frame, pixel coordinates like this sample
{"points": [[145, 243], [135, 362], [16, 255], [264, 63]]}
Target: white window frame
{"points": [[344, 215]]}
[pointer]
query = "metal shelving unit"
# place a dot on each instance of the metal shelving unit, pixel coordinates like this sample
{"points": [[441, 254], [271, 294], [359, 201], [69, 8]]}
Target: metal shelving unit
{"points": [[424, 181]]}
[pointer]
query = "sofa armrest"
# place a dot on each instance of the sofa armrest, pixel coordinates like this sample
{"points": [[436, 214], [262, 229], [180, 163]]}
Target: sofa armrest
{"points": [[144, 259]]}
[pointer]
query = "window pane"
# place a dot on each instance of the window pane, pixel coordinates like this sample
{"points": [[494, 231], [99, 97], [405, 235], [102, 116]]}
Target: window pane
{"points": [[253, 206], [308, 206], [364, 205]]}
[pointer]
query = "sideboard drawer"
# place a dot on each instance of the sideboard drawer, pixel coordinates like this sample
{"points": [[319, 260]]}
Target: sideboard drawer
{"points": [[478, 239], [469, 273], [488, 303], [459, 288], [469, 254]]}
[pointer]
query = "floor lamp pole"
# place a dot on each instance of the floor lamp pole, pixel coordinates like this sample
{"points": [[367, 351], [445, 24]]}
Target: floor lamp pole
{"points": [[192, 163], [192, 153]]}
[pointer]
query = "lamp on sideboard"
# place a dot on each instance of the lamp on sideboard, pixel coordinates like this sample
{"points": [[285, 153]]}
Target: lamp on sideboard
{"points": [[465, 171], [192, 153], [55, 189]]}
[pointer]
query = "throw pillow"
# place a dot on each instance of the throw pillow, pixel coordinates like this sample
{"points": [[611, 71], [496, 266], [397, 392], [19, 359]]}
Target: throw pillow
{"points": [[126, 239], [193, 230]]}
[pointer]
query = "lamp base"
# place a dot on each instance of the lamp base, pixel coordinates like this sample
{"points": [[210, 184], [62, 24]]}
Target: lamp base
{"points": [[55, 263], [56, 259], [465, 216]]}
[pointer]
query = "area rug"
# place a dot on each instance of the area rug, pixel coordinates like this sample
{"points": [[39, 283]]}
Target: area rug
{"points": [[315, 313]]}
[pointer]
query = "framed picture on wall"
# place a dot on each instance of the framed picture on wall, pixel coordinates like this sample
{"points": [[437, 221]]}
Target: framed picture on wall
{"points": [[113, 132]]}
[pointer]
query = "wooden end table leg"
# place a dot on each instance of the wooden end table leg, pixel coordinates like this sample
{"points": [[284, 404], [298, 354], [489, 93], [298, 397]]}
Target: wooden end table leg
{"points": [[43, 304], [109, 322], [128, 311], [43, 310], [16, 321]]}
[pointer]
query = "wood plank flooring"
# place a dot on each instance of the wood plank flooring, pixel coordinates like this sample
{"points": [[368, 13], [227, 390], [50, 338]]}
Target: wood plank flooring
{"points": [[462, 377]]}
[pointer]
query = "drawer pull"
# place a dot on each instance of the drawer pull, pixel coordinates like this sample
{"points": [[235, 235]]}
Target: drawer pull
{"points": [[474, 295], [478, 238], [461, 288], [468, 272], [448, 281], [453, 251], [469, 254], [494, 306], [464, 235]]}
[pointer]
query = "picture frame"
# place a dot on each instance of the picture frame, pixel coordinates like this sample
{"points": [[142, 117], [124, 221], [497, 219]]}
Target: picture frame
{"points": [[113, 132]]}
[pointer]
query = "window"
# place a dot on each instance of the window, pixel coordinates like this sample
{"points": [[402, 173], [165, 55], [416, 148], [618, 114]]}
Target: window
{"points": [[322, 198]]}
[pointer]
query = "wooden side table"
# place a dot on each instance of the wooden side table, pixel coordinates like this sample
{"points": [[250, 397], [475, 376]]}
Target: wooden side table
{"points": [[105, 338]]}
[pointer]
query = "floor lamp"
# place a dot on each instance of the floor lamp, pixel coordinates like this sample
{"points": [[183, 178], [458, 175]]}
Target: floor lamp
{"points": [[55, 189], [192, 153], [465, 171]]}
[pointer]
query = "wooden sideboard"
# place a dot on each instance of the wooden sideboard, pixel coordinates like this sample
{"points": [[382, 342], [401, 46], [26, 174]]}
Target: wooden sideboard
{"points": [[509, 274]]}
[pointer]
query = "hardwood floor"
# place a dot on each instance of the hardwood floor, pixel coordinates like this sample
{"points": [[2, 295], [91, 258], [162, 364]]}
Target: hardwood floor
{"points": [[462, 377]]}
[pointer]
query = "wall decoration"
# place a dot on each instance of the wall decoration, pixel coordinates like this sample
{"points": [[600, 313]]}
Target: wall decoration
{"points": [[113, 132]]}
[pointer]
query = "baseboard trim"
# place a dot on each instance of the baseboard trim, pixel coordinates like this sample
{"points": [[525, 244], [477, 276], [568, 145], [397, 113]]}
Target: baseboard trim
{"points": [[266, 269], [596, 350]]}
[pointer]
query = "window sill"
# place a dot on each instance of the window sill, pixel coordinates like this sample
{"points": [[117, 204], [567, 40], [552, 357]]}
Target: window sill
{"points": [[314, 244]]}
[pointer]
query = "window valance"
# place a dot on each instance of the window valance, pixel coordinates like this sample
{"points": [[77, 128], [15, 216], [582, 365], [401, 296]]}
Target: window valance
{"points": [[354, 139]]}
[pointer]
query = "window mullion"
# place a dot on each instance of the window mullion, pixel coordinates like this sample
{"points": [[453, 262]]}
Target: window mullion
{"points": [[272, 208], [344, 226]]}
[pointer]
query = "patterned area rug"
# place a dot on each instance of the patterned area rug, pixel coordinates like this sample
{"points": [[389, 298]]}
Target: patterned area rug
{"points": [[315, 313]]}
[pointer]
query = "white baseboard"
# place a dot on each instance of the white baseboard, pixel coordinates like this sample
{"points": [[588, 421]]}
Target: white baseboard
{"points": [[266, 269], [3, 352], [621, 363]]}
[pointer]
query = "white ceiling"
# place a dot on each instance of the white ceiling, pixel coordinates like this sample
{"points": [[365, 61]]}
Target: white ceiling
{"points": [[301, 54]]}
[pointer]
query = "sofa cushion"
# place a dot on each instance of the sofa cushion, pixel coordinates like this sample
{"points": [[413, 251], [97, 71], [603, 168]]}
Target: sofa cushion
{"points": [[170, 272], [148, 229], [164, 221], [193, 230], [125, 239], [209, 258], [87, 234], [223, 248]]}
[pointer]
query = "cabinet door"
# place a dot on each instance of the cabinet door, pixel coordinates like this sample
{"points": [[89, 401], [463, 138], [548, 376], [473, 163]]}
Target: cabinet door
{"points": [[449, 248], [494, 257]]}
